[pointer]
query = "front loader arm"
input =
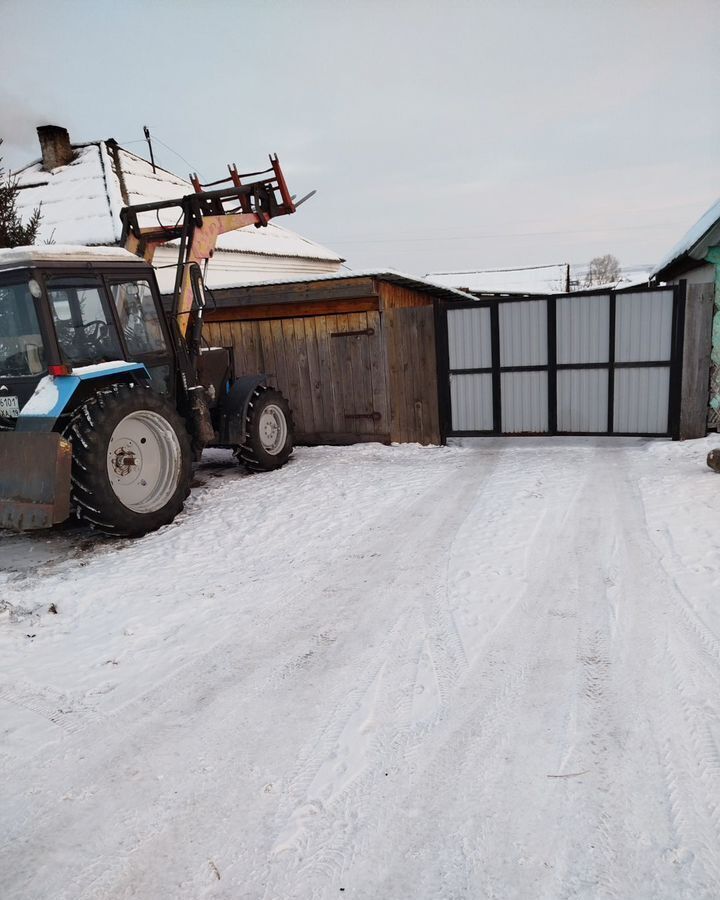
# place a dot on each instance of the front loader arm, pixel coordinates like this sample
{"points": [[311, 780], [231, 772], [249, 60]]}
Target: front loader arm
{"points": [[203, 217]]}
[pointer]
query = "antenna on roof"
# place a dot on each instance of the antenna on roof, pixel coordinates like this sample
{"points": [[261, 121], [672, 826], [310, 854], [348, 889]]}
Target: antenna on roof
{"points": [[149, 141]]}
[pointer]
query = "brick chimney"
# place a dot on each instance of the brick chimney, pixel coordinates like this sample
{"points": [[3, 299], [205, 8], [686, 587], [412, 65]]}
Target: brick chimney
{"points": [[55, 146]]}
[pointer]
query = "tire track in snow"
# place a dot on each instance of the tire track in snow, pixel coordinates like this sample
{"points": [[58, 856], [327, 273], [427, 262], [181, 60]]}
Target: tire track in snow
{"points": [[403, 750], [323, 842], [192, 689], [68, 713]]}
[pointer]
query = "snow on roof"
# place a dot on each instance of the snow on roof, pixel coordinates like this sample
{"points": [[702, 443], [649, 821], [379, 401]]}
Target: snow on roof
{"points": [[75, 200], [527, 280], [387, 274], [551, 279], [693, 240], [81, 203], [24, 256]]}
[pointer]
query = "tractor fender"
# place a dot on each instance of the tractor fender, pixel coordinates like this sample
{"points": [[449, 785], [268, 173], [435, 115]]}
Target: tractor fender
{"points": [[55, 394], [234, 407]]}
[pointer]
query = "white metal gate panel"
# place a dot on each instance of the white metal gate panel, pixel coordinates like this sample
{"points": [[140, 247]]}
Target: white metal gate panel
{"points": [[524, 402], [523, 333], [583, 325], [594, 363], [582, 401]]}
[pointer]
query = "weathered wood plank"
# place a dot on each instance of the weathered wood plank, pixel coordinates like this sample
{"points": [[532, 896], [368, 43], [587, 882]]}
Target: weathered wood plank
{"points": [[329, 389], [396, 377], [341, 370], [267, 348], [213, 334], [314, 374], [427, 380], [340, 439], [281, 373], [696, 360], [357, 347], [378, 373], [395, 296], [412, 374], [252, 356], [305, 382], [302, 292], [292, 374], [285, 310]]}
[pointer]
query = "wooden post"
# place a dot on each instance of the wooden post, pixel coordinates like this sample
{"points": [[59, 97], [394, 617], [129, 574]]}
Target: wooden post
{"points": [[696, 360]]}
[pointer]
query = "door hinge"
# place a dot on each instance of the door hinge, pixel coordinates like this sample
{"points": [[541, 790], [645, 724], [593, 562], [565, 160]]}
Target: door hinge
{"points": [[375, 416], [366, 332]]}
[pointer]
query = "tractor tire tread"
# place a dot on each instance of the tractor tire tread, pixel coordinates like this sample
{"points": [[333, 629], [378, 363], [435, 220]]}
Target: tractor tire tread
{"points": [[82, 431]]}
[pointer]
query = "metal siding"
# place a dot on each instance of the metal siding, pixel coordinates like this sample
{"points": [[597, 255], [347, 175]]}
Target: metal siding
{"points": [[583, 325], [472, 402], [643, 326], [524, 402], [469, 342], [582, 397], [641, 400], [523, 333]]}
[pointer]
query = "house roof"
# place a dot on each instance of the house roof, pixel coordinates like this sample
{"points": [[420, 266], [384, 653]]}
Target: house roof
{"points": [[409, 281], [694, 245], [81, 202], [527, 280], [550, 279]]}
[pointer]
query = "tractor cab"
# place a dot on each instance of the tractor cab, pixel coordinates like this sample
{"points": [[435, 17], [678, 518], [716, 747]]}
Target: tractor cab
{"points": [[70, 309]]}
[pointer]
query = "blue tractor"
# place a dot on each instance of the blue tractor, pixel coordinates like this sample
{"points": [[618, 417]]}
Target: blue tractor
{"points": [[106, 397]]}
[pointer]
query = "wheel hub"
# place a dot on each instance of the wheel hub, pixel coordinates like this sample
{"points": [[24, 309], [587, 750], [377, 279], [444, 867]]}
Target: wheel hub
{"points": [[124, 459], [144, 461], [272, 429]]}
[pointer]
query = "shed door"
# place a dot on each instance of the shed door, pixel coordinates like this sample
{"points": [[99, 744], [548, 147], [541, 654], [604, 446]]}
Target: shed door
{"points": [[331, 369], [577, 364]]}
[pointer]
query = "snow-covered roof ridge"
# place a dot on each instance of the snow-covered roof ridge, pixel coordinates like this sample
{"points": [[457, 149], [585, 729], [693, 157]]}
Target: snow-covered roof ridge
{"points": [[81, 202], [388, 273], [696, 240]]}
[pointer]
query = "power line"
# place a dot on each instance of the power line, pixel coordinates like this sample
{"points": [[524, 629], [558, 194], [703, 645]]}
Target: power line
{"points": [[511, 269], [499, 234], [179, 155]]}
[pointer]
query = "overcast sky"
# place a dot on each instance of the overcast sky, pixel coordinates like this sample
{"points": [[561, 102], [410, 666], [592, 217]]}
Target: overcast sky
{"points": [[439, 136]]}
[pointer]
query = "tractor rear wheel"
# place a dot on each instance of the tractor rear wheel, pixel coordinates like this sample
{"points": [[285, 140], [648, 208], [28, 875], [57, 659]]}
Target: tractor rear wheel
{"points": [[269, 429], [132, 462]]}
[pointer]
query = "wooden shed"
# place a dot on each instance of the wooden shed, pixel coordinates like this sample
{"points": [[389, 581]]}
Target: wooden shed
{"points": [[356, 354]]}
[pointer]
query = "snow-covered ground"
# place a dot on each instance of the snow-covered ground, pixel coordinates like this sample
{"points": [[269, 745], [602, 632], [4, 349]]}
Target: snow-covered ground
{"points": [[480, 671]]}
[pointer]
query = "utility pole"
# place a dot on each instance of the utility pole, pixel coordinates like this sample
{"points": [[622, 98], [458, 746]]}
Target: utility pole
{"points": [[149, 142]]}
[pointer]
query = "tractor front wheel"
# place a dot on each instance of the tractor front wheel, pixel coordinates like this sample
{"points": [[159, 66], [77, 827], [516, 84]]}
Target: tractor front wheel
{"points": [[269, 430], [132, 462]]}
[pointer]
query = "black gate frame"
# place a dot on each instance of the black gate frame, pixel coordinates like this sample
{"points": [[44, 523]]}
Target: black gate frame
{"points": [[492, 302]]}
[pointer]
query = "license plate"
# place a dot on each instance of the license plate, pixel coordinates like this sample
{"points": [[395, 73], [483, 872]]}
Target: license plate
{"points": [[9, 407]]}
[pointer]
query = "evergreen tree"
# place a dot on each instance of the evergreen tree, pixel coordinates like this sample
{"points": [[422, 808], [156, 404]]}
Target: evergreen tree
{"points": [[12, 231]]}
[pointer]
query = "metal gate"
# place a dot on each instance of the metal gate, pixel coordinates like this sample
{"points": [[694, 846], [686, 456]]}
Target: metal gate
{"points": [[585, 363]]}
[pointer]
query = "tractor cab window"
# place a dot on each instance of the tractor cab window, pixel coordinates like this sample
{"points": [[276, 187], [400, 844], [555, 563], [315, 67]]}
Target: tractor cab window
{"points": [[85, 330], [138, 317], [21, 346]]}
